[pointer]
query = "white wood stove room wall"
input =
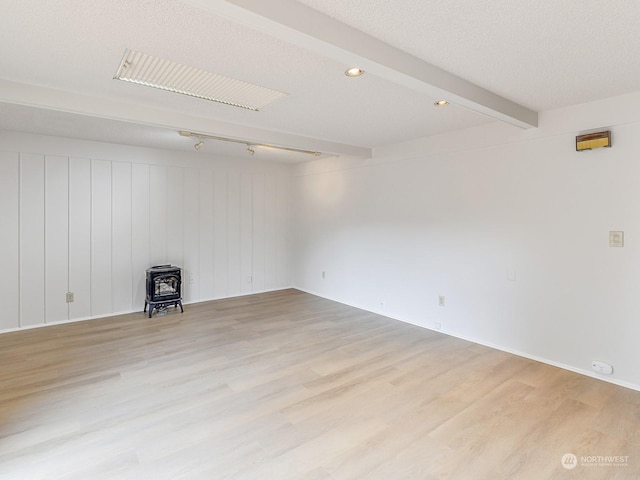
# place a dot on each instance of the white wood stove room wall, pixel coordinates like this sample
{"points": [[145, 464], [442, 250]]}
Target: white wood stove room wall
{"points": [[89, 218]]}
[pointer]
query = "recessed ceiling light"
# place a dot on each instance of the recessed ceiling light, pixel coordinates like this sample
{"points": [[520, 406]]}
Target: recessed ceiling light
{"points": [[441, 103], [353, 72]]}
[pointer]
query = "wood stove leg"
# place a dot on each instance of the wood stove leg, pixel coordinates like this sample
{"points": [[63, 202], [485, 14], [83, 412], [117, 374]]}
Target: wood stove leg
{"points": [[181, 309], [145, 306], [150, 310]]}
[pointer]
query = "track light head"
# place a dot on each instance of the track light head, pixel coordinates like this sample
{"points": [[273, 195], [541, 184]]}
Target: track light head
{"points": [[198, 145], [250, 150]]}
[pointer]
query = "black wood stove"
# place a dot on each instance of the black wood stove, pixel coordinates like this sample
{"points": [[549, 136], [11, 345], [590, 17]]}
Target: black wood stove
{"points": [[164, 285]]}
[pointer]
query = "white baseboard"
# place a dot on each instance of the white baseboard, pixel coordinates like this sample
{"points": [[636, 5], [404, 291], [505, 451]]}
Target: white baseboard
{"points": [[127, 312], [571, 368]]}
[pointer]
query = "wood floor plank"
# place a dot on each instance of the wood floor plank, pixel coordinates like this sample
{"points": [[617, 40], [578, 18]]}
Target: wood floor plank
{"points": [[287, 385]]}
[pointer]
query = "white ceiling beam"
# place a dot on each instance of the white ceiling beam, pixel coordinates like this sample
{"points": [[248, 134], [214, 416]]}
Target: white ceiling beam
{"points": [[300, 25], [41, 97]]}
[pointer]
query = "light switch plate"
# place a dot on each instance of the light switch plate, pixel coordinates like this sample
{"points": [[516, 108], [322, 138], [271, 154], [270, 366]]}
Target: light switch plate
{"points": [[616, 239]]}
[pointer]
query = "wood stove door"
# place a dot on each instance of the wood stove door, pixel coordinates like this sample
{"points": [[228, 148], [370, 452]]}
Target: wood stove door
{"points": [[165, 287]]}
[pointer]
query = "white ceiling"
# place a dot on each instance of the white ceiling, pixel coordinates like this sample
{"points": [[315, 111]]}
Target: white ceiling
{"points": [[506, 59]]}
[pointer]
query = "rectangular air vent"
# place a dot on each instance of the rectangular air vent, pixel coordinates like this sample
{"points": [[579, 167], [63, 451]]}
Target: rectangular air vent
{"points": [[173, 77]]}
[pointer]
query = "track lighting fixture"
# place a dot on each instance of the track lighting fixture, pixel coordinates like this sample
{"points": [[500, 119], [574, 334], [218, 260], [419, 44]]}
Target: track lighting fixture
{"points": [[250, 146]]}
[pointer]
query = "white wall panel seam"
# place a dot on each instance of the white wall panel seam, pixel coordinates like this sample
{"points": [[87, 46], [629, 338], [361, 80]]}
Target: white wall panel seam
{"points": [[213, 229], [91, 236], [68, 233], [111, 280], [44, 243], [131, 273], [19, 239], [226, 233]]}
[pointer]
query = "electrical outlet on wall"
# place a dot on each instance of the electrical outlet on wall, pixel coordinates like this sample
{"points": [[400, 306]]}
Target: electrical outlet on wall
{"points": [[616, 239], [602, 367], [441, 301]]}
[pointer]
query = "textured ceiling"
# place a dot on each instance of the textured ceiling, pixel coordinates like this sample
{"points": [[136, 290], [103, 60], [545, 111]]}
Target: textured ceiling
{"points": [[62, 55], [542, 54]]}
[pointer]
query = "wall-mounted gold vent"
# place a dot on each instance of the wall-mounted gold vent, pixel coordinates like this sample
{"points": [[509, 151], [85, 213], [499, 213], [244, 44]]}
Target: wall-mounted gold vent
{"points": [[173, 77]]}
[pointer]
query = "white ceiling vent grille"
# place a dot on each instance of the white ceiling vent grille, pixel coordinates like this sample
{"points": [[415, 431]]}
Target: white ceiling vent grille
{"points": [[154, 72]]}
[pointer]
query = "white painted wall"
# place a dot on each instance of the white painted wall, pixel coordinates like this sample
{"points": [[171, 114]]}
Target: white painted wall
{"points": [[90, 218], [511, 226]]}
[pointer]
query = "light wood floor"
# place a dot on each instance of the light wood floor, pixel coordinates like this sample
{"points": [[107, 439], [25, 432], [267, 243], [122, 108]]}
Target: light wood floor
{"points": [[286, 385]]}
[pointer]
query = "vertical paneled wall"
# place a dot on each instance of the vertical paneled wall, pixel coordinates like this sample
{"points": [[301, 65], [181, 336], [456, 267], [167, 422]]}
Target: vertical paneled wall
{"points": [[92, 227], [32, 235], [9, 239], [56, 241]]}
